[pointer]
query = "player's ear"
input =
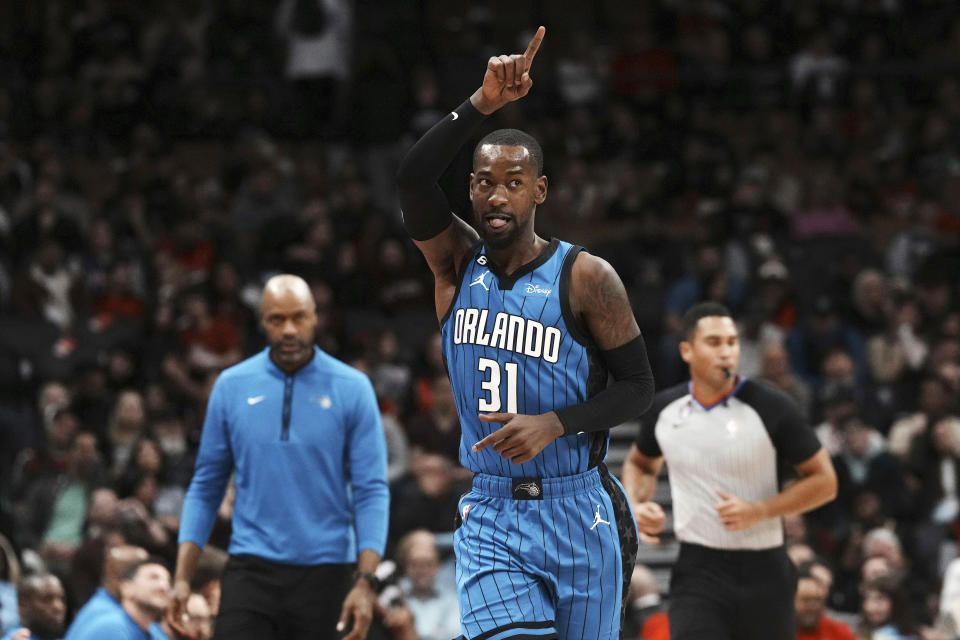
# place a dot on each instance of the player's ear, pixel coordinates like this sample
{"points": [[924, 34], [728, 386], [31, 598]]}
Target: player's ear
{"points": [[686, 351], [540, 190], [471, 184]]}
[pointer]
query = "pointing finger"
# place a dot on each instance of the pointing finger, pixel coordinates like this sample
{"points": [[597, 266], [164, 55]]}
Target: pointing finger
{"points": [[491, 439], [534, 45]]}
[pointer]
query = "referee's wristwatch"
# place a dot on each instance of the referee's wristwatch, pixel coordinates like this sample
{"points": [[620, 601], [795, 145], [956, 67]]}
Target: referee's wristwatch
{"points": [[369, 578]]}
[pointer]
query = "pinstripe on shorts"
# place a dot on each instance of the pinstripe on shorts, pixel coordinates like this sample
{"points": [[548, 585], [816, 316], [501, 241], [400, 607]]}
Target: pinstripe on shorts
{"points": [[539, 568]]}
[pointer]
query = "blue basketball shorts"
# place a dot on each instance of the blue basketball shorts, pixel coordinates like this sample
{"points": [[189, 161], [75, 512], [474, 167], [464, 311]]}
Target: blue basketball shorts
{"points": [[544, 558]]}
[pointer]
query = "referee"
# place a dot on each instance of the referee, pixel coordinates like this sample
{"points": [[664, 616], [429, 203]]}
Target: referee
{"points": [[726, 441]]}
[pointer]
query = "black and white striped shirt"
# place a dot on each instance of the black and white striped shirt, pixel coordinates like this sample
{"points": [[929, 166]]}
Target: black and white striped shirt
{"points": [[738, 445]]}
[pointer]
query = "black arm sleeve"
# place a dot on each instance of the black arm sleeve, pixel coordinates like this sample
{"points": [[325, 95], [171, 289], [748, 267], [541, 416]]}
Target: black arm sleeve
{"points": [[628, 397], [426, 211]]}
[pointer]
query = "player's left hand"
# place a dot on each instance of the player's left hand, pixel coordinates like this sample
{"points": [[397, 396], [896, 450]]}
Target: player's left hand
{"points": [[736, 514], [522, 437], [357, 605]]}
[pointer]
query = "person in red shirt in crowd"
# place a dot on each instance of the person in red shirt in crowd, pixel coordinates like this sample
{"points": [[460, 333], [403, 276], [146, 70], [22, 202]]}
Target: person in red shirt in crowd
{"points": [[810, 605]]}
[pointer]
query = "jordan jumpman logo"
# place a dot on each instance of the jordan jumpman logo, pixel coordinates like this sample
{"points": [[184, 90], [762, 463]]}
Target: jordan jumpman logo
{"points": [[597, 519], [479, 280]]}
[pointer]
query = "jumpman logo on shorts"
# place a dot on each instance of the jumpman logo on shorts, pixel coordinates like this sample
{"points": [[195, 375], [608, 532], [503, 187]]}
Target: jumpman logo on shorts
{"points": [[597, 519], [479, 281]]}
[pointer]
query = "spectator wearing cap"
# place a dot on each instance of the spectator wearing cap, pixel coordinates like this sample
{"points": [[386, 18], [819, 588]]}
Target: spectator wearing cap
{"points": [[774, 294]]}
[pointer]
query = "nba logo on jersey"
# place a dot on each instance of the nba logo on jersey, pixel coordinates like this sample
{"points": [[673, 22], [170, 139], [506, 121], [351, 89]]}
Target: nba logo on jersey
{"points": [[466, 510]]}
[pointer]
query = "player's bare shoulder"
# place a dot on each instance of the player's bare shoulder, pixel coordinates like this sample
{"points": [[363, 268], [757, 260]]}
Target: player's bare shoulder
{"points": [[599, 299]]}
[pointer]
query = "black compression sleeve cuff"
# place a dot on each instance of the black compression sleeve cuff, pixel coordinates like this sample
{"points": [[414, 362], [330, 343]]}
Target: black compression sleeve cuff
{"points": [[626, 399], [426, 211]]}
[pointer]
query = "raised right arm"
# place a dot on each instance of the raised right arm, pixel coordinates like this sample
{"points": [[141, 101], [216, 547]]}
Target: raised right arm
{"points": [[442, 237], [438, 233]]}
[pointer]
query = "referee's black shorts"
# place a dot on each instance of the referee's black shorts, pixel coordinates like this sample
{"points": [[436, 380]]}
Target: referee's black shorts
{"points": [[263, 600], [718, 594]]}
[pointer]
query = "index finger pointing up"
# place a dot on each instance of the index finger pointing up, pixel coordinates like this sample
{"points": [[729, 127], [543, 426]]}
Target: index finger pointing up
{"points": [[534, 45]]}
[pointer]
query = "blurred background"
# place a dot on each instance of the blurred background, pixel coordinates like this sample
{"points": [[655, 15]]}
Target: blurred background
{"points": [[797, 160]]}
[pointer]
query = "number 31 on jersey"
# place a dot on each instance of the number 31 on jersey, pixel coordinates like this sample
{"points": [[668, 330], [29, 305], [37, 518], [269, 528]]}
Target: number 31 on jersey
{"points": [[492, 382]]}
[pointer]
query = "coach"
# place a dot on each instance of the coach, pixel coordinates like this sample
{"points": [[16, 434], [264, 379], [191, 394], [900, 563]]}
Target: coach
{"points": [[725, 440], [301, 433]]}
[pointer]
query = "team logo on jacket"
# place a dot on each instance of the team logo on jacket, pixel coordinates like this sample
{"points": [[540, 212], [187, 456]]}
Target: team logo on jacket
{"points": [[323, 401]]}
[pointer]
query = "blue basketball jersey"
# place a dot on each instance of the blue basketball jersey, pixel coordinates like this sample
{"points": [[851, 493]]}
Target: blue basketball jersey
{"points": [[511, 345]]}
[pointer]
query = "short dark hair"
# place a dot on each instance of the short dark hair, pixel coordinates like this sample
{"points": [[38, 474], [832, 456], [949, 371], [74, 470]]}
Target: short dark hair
{"points": [[702, 310], [130, 572], [513, 138], [32, 584]]}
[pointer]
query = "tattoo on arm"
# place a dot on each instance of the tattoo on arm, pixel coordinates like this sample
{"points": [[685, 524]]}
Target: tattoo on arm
{"points": [[604, 305]]}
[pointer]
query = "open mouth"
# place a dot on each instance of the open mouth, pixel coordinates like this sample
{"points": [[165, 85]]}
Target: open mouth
{"points": [[497, 221]]}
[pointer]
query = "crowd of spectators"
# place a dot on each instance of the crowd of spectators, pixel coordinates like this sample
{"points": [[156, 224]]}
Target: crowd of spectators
{"points": [[797, 160]]}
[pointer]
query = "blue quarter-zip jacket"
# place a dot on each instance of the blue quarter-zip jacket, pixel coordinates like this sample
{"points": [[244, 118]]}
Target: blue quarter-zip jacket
{"points": [[309, 457]]}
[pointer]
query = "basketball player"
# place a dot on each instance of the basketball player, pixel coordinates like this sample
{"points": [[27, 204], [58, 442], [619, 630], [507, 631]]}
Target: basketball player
{"points": [[725, 438], [530, 327]]}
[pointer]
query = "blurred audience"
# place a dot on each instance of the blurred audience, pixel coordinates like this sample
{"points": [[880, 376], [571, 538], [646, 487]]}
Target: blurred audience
{"points": [[158, 163]]}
